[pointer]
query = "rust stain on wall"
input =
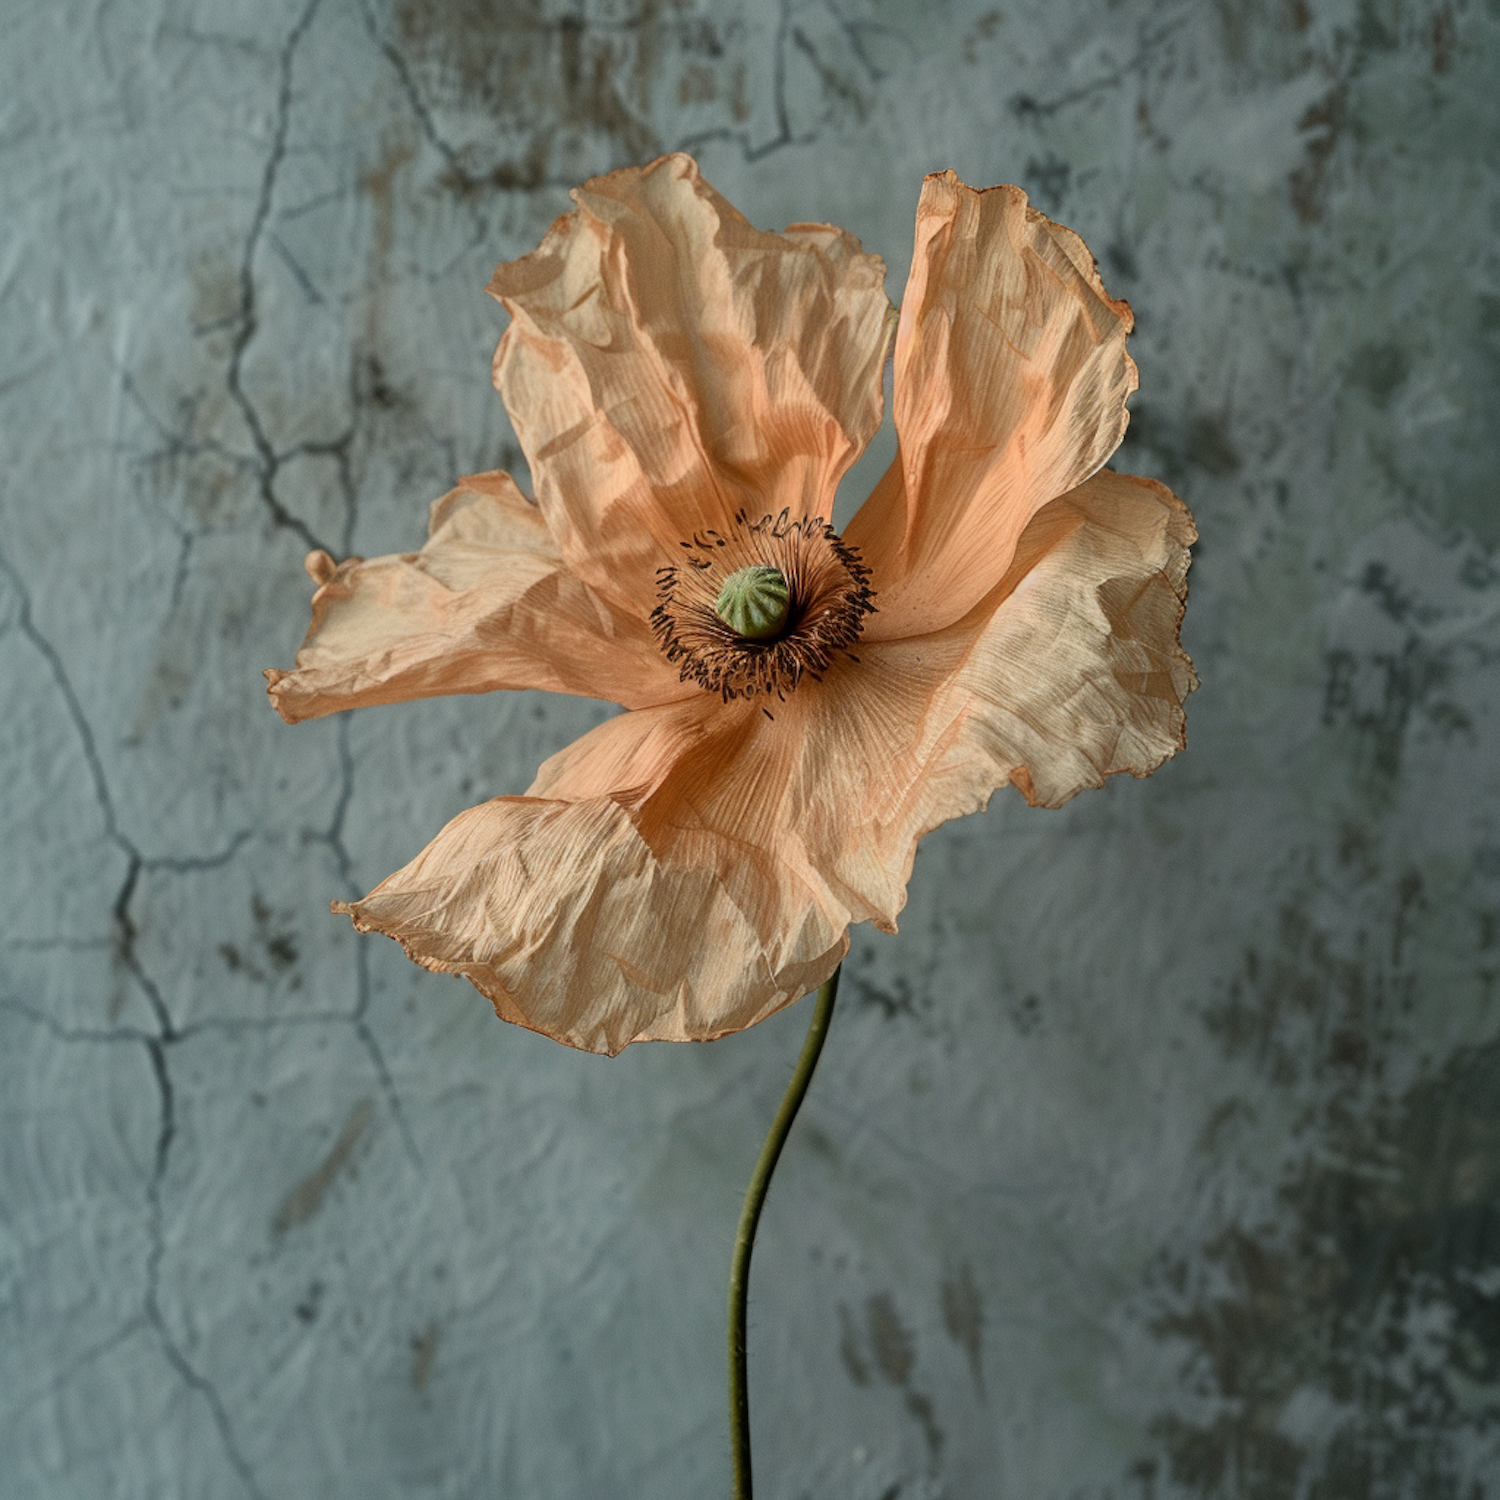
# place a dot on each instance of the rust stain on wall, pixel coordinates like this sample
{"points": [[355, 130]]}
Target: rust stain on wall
{"points": [[306, 1198]]}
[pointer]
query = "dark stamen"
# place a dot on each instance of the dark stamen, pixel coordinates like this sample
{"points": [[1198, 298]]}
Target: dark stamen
{"points": [[830, 596]]}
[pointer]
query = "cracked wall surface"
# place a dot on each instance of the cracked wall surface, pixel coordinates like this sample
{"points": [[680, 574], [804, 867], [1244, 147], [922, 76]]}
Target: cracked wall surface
{"points": [[1157, 1157]]}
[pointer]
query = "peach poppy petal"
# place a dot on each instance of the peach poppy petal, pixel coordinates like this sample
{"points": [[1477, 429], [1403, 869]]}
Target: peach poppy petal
{"points": [[711, 785], [668, 364], [1072, 669], [1069, 672], [572, 924], [487, 603], [1010, 384]]}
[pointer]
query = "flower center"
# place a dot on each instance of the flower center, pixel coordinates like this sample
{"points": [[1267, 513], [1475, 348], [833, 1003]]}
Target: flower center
{"points": [[754, 602], [759, 609]]}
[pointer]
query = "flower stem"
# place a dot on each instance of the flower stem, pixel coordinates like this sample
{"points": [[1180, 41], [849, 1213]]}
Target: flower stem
{"points": [[744, 1239]]}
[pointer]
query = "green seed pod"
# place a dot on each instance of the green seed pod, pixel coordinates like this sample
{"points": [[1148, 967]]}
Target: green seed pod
{"points": [[754, 602]]}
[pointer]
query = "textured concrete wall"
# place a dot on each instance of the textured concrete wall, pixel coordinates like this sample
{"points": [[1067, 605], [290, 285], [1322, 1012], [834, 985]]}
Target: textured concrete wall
{"points": [[1159, 1155]]}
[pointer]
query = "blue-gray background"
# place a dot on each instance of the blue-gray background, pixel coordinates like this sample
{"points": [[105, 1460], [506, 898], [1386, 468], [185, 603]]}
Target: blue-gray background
{"points": [[1157, 1157]]}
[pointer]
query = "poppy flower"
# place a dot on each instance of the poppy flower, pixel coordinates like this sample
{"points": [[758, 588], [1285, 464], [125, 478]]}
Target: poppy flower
{"points": [[801, 707]]}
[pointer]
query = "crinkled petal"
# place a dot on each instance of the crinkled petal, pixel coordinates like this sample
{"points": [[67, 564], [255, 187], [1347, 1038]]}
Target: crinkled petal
{"points": [[684, 871], [1071, 670], [669, 365], [487, 603], [1010, 385], [1068, 672], [571, 923]]}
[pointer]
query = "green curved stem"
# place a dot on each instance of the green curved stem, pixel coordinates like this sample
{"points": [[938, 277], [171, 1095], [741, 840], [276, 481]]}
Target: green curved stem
{"points": [[744, 1239]]}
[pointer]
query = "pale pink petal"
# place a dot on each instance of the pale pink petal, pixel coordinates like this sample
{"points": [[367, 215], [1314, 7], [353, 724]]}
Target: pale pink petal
{"points": [[684, 871], [668, 365], [1010, 385], [487, 603]]}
